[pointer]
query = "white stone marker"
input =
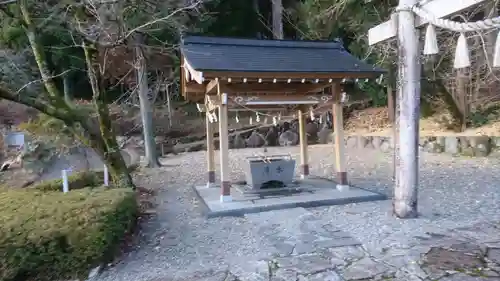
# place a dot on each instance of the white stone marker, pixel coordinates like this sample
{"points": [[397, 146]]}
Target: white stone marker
{"points": [[106, 176], [65, 181]]}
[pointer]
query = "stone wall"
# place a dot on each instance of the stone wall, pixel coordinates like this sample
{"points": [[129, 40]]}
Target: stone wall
{"points": [[286, 134], [81, 159], [478, 146]]}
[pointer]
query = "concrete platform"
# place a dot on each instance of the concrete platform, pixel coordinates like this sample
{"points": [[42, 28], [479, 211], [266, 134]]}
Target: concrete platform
{"points": [[311, 192]]}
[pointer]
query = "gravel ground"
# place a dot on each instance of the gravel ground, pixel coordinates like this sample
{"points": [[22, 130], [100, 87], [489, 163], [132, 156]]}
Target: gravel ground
{"points": [[179, 242]]}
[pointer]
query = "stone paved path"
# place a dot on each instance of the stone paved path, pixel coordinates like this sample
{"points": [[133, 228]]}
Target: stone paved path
{"points": [[307, 249], [456, 238], [304, 248]]}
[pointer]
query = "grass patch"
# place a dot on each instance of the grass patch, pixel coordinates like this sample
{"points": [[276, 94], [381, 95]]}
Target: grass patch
{"points": [[77, 180], [60, 236]]}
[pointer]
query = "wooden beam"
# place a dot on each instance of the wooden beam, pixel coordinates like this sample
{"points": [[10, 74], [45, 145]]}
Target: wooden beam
{"points": [[195, 88], [439, 8], [265, 100], [282, 99], [339, 145], [269, 108], [225, 178], [275, 88], [210, 152], [211, 86], [268, 88], [304, 164]]}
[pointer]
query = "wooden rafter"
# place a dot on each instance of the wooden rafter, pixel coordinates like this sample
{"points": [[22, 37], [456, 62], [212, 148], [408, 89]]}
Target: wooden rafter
{"points": [[258, 108]]}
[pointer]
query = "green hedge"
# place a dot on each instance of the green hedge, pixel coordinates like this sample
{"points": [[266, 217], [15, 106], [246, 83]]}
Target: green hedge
{"points": [[77, 180], [61, 236]]}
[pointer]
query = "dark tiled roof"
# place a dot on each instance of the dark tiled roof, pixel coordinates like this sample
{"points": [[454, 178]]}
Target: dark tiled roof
{"points": [[253, 55]]}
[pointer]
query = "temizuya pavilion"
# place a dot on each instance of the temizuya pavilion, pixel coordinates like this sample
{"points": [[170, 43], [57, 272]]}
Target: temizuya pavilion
{"points": [[229, 74]]}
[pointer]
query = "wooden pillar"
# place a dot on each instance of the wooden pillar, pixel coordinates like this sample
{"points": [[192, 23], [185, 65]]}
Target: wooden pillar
{"points": [[210, 152], [339, 145], [405, 191], [304, 165], [277, 18], [224, 150]]}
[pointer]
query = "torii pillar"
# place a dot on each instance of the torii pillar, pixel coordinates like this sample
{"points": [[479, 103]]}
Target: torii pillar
{"points": [[403, 26]]}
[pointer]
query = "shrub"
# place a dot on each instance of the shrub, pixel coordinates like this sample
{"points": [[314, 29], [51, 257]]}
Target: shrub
{"points": [[58, 236], [77, 180]]}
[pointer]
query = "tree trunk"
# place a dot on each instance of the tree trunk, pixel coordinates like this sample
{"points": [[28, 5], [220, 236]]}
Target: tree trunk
{"points": [[406, 189], [117, 167], [105, 143], [277, 10], [40, 59], [256, 10], [169, 107], [113, 158], [462, 93], [490, 11], [146, 108]]}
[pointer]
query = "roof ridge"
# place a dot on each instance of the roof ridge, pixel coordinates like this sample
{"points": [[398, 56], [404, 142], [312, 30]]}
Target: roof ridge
{"points": [[270, 43], [187, 35]]}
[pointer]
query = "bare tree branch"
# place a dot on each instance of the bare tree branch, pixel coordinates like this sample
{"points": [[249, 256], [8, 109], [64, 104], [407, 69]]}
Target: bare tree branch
{"points": [[37, 104], [6, 2]]}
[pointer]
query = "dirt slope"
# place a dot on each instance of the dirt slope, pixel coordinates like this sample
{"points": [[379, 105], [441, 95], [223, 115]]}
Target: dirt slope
{"points": [[375, 121]]}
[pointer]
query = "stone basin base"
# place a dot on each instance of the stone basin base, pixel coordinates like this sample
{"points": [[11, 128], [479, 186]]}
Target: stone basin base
{"points": [[310, 192]]}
